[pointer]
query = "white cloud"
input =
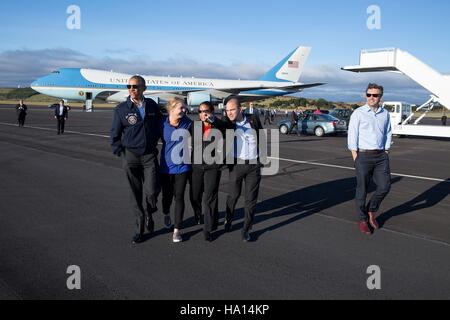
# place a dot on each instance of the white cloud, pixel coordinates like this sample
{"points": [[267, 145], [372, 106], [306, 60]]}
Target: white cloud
{"points": [[21, 67], [350, 87]]}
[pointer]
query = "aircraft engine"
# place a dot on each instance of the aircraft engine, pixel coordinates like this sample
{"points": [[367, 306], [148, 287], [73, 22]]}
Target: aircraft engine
{"points": [[195, 98], [156, 99]]}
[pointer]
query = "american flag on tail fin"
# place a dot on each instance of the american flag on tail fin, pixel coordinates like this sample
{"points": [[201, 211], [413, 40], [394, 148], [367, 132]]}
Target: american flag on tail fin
{"points": [[293, 64]]}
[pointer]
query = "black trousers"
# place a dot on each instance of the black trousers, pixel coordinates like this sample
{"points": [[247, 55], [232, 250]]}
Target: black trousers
{"points": [[295, 126], [21, 119], [371, 167], [142, 173], [204, 194], [251, 175], [174, 185], [60, 125]]}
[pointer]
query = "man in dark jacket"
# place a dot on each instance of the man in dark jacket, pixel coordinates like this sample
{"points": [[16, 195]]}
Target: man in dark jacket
{"points": [[134, 137], [61, 114], [267, 117], [295, 123], [21, 109], [246, 167]]}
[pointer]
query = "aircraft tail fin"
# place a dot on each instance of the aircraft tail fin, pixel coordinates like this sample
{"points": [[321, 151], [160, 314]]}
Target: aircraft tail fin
{"points": [[290, 68]]}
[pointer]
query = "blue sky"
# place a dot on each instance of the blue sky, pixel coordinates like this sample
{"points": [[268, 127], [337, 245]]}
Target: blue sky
{"points": [[226, 39]]}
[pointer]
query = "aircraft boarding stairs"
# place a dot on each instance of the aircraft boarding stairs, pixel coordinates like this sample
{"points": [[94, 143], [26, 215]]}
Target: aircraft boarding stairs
{"points": [[396, 60]]}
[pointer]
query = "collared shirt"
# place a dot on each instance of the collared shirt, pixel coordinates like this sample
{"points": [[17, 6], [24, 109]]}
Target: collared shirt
{"points": [[246, 142], [140, 106], [61, 110], [370, 130]]}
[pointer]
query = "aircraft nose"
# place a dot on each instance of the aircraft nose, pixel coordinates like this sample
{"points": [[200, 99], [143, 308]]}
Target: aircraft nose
{"points": [[35, 84]]}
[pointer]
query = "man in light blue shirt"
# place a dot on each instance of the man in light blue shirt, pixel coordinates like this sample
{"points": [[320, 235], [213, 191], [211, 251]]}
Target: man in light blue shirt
{"points": [[369, 140]]}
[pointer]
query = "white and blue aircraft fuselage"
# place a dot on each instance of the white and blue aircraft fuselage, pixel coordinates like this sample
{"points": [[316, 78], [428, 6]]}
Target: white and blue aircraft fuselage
{"points": [[88, 84]]}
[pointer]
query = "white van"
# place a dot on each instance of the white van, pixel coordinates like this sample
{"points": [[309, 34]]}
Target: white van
{"points": [[399, 111]]}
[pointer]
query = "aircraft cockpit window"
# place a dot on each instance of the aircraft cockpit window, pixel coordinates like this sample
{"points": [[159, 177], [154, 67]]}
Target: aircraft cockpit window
{"points": [[57, 72]]}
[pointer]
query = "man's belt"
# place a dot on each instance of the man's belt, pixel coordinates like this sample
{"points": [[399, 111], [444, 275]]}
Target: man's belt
{"points": [[371, 151], [246, 162]]}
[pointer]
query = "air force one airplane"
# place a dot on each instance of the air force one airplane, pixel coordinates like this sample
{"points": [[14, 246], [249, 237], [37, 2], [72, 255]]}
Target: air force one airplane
{"points": [[88, 84]]}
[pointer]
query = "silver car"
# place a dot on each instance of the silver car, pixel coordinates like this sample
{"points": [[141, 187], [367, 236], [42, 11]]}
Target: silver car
{"points": [[318, 124]]}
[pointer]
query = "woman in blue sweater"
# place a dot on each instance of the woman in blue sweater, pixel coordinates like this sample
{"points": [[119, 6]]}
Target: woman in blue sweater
{"points": [[175, 162]]}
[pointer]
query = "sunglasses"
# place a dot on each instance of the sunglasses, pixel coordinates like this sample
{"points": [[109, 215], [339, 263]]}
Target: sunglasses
{"points": [[369, 95], [133, 86], [203, 111]]}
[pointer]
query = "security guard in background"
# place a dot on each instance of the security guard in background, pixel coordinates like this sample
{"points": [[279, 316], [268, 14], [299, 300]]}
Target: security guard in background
{"points": [[134, 137], [61, 114], [21, 113]]}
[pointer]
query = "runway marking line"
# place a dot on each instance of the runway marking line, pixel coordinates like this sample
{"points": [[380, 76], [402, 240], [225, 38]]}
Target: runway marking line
{"points": [[280, 159], [350, 168], [323, 215]]}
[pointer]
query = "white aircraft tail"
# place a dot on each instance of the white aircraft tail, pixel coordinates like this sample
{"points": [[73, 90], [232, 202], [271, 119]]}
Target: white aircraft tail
{"points": [[290, 68]]}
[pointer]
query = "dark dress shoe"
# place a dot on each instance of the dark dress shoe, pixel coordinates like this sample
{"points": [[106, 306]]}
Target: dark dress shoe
{"points": [[227, 226], [246, 237], [150, 225], [198, 220], [138, 238], [208, 236]]}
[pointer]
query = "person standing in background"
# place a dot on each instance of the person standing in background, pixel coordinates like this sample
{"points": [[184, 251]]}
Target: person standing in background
{"points": [[21, 109], [61, 114]]}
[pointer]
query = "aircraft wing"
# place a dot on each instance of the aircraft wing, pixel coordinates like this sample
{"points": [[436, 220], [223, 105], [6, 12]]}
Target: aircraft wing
{"points": [[302, 86], [220, 91], [225, 92]]}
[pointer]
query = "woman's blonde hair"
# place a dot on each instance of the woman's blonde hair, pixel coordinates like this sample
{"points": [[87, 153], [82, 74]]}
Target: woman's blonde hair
{"points": [[173, 103]]}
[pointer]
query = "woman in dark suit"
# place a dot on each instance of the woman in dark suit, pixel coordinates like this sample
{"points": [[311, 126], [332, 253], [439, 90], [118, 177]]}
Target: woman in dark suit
{"points": [[207, 168]]}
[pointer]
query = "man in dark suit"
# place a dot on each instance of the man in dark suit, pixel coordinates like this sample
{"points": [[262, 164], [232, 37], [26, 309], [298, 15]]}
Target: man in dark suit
{"points": [[246, 167], [135, 132], [21, 113], [61, 114]]}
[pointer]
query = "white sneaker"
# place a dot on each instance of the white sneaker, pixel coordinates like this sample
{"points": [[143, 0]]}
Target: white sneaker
{"points": [[177, 236]]}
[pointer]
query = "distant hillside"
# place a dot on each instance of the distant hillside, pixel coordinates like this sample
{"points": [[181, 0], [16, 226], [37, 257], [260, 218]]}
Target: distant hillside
{"points": [[4, 93], [16, 94], [27, 94], [291, 103]]}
